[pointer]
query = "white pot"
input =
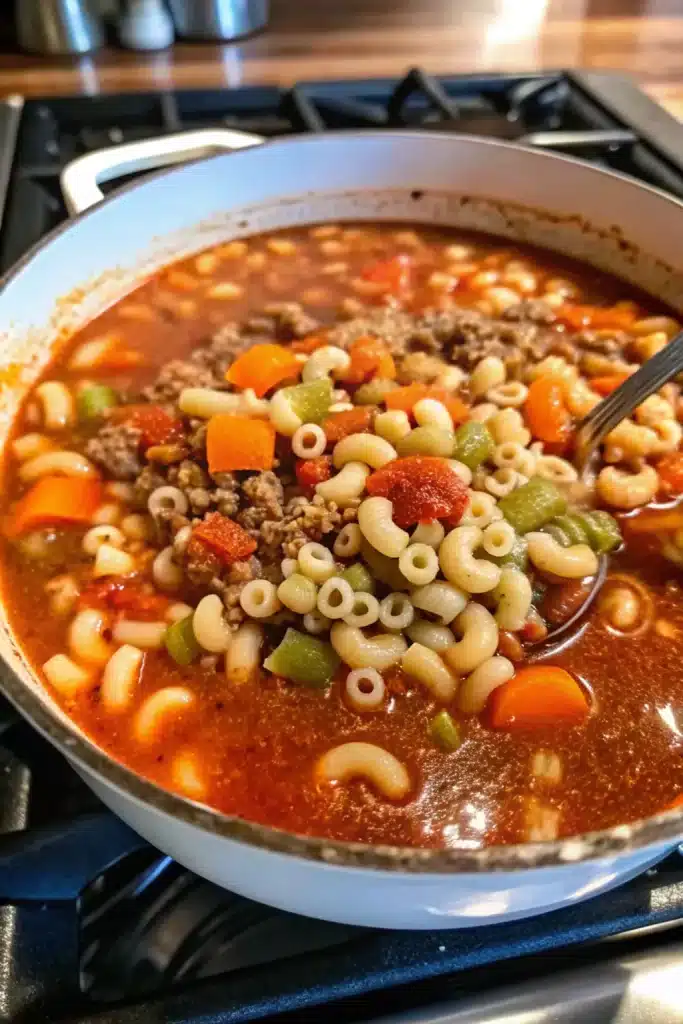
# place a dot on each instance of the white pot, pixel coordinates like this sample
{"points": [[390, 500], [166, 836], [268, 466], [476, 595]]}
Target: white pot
{"points": [[607, 220]]}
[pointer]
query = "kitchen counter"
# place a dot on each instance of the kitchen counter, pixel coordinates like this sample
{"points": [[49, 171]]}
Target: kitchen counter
{"points": [[318, 39]]}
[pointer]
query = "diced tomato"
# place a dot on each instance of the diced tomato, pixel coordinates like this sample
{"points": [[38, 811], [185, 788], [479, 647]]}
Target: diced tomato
{"points": [[420, 487], [596, 317], [310, 472], [351, 421], [224, 537], [155, 424], [670, 471], [393, 274], [136, 599]]}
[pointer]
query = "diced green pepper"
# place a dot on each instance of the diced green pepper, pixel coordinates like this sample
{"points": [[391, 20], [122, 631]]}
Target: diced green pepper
{"points": [[426, 441], [304, 659], [533, 505], [517, 557], [473, 444], [571, 524], [311, 401], [383, 568], [602, 530], [94, 400], [359, 577], [444, 731], [373, 391], [181, 643], [557, 533]]}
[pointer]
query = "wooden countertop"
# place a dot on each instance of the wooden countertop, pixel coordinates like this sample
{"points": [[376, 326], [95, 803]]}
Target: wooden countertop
{"points": [[318, 39]]}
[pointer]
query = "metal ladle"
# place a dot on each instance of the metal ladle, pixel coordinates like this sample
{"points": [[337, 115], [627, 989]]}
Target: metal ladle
{"points": [[650, 377]]}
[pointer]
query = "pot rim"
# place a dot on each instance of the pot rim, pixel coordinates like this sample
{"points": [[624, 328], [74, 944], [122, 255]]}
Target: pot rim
{"points": [[661, 828]]}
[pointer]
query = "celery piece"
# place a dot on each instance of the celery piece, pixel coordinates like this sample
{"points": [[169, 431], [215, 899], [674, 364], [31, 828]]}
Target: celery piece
{"points": [[571, 524], [602, 530], [180, 642], [517, 557], [303, 659], [373, 391], [473, 444], [557, 533], [533, 505], [359, 577], [426, 441], [444, 731], [311, 401], [94, 400]]}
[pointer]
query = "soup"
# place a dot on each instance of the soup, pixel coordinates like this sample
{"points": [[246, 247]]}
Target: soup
{"points": [[285, 531]]}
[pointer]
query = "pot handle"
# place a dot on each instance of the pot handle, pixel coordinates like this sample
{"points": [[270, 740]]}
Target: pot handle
{"points": [[81, 178]]}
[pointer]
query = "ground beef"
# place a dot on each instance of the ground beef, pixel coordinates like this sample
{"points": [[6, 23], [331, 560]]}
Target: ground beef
{"points": [[391, 325], [116, 448], [605, 344], [216, 356], [175, 377], [421, 367], [264, 496], [535, 311], [149, 479], [290, 320]]}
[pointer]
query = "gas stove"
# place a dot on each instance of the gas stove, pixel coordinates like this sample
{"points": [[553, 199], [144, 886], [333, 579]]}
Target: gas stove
{"points": [[96, 927]]}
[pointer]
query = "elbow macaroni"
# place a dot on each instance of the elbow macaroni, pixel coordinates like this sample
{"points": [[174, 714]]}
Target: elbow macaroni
{"points": [[460, 567], [377, 526]]}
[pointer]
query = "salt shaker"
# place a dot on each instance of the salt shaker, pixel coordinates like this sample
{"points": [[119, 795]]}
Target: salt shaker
{"points": [[146, 25]]}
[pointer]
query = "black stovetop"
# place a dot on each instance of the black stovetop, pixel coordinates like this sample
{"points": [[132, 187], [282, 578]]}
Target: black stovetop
{"points": [[96, 926]]}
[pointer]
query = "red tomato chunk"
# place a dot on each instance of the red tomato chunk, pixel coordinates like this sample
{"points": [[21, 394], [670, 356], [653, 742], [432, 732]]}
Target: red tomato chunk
{"points": [[420, 487]]}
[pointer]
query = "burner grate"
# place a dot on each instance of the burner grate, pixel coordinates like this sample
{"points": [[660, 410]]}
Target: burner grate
{"points": [[95, 926]]}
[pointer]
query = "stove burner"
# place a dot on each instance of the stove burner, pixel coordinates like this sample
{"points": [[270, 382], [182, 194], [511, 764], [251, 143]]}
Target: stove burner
{"points": [[95, 926]]}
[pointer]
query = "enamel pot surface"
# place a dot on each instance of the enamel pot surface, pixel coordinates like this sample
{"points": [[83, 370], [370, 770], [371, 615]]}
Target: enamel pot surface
{"points": [[606, 220]]}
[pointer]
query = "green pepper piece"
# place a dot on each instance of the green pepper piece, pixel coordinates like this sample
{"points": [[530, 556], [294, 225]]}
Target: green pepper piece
{"points": [[473, 444], [533, 505], [311, 401], [383, 568], [602, 530], [517, 557], [426, 441], [571, 524], [374, 391], [359, 577], [557, 533], [304, 659], [94, 400], [444, 731], [181, 643]]}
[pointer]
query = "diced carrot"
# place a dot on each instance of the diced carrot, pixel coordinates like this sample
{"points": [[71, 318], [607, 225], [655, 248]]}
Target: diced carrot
{"points": [[119, 359], [238, 442], [55, 501], [606, 385], [351, 421], [370, 357], [546, 414], [670, 471], [262, 367], [310, 472], [676, 802], [309, 344], [155, 424], [224, 537], [654, 520], [538, 697], [393, 274], [596, 317], [405, 398]]}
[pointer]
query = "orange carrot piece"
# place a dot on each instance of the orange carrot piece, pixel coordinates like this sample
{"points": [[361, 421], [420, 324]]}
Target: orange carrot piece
{"points": [[309, 344], [351, 421], [405, 398], [606, 385], [670, 471], [370, 357], [224, 537], [119, 359], [238, 442], [262, 367], [546, 414], [596, 317], [676, 802], [655, 520], [537, 697], [55, 501]]}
